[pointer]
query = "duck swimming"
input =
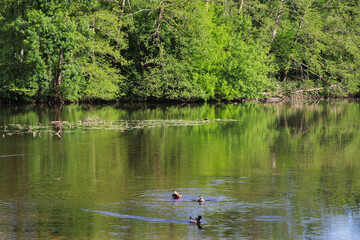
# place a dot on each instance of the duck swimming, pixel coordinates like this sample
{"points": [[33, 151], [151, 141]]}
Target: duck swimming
{"points": [[196, 220], [176, 195], [201, 199]]}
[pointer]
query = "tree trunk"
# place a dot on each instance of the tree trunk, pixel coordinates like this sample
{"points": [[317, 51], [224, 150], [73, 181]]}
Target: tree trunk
{"points": [[242, 3], [296, 38], [158, 23], [59, 79], [277, 21], [93, 36], [123, 6]]}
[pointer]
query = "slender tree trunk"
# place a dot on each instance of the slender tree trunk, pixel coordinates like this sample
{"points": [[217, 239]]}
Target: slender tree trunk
{"points": [[277, 21], [158, 40], [93, 47], [296, 38], [123, 6], [49, 72], [242, 3], [302, 21], [158, 23], [59, 78]]}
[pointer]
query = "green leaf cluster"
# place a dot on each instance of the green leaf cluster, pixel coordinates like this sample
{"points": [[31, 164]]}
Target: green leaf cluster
{"points": [[175, 49]]}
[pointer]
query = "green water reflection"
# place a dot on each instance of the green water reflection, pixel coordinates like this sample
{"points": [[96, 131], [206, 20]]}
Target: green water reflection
{"points": [[285, 171]]}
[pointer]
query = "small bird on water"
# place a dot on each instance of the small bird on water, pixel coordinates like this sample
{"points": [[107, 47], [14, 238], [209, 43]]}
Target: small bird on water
{"points": [[196, 220], [176, 195], [201, 199]]}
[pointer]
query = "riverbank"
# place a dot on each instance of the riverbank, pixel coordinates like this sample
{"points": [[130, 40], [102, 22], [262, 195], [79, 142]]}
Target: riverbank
{"points": [[283, 94]]}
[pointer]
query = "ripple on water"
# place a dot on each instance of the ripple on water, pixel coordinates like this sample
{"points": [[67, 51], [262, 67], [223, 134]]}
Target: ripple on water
{"points": [[158, 204], [226, 181], [269, 218], [127, 216], [188, 194]]}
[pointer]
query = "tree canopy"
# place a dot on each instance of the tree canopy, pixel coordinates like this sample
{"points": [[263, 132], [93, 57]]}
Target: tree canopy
{"points": [[176, 49]]}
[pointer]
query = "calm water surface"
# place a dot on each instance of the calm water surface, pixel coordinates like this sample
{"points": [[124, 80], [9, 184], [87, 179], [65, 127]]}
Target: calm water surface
{"points": [[285, 171]]}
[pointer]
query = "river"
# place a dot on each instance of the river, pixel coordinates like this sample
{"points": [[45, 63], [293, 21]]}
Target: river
{"points": [[266, 171]]}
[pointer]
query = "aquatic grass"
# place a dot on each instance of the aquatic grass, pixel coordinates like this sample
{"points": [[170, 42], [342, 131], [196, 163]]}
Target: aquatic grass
{"points": [[57, 127]]}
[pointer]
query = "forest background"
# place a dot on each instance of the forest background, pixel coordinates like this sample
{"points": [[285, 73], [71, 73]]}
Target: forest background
{"points": [[183, 50]]}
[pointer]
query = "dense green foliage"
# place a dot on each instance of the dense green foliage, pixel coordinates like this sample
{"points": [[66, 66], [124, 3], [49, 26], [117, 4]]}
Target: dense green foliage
{"points": [[176, 49]]}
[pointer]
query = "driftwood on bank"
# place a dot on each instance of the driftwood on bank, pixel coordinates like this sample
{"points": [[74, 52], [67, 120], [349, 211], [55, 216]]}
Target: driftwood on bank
{"points": [[282, 96], [311, 90]]}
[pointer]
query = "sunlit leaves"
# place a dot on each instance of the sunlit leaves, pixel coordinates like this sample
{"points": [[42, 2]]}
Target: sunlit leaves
{"points": [[175, 49]]}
